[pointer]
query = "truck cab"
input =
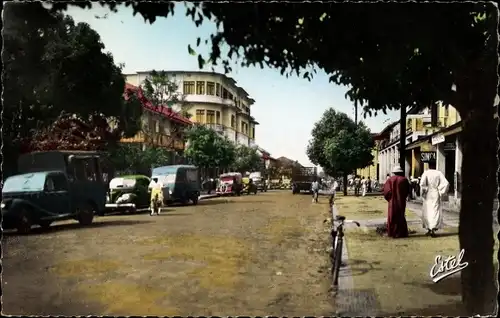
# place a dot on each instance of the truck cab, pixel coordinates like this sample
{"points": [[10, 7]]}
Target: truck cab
{"points": [[53, 186]]}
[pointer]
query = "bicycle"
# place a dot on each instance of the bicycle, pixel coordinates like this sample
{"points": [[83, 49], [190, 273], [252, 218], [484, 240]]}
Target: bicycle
{"points": [[337, 241]]}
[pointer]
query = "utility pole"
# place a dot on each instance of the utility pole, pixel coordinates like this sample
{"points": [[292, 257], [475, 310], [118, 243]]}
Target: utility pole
{"points": [[402, 139]]}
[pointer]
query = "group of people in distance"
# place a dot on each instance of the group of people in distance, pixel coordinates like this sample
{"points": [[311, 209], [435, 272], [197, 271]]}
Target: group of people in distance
{"points": [[397, 188]]}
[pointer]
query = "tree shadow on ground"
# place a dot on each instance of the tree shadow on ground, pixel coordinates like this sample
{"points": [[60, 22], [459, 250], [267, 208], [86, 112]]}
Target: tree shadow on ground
{"points": [[450, 286], [360, 267], [227, 201], [166, 213], [452, 308], [422, 235], [77, 226]]}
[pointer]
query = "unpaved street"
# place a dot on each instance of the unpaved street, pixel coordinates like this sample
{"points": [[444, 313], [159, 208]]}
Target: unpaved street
{"points": [[256, 255]]}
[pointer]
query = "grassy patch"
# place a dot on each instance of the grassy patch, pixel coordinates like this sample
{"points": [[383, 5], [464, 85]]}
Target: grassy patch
{"points": [[221, 257], [396, 267], [129, 299], [282, 229], [85, 267], [365, 208]]}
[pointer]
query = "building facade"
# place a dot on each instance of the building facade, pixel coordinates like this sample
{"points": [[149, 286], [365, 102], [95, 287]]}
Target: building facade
{"points": [[160, 125], [214, 100]]}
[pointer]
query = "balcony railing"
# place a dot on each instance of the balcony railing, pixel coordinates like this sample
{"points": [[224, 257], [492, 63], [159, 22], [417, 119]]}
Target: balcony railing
{"points": [[216, 127], [157, 139]]}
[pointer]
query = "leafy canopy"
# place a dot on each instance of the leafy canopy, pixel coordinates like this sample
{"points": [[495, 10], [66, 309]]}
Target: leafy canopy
{"points": [[134, 159], [57, 75], [163, 91], [247, 159], [207, 149], [339, 145], [393, 55]]}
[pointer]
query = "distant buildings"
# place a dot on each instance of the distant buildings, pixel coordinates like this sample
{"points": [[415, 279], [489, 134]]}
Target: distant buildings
{"points": [[215, 100]]}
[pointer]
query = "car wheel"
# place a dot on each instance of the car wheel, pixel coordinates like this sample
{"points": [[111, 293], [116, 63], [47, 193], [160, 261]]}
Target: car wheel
{"points": [[85, 215], [24, 222], [45, 224]]}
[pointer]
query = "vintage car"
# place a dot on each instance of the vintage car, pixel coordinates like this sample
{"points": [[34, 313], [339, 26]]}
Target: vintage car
{"points": [[40, 198], [128, 193], [248, 186], [230, 184], [259, 181], [183, 182]]}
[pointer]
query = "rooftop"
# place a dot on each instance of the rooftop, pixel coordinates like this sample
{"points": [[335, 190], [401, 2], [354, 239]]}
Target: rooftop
{"points": [[224, 76]]}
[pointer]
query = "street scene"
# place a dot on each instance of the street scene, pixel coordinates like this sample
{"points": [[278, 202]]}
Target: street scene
{"points": [[255, 160]]}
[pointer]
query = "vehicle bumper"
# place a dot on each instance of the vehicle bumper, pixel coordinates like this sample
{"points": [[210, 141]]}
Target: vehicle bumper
{"points": [[120, 205]]}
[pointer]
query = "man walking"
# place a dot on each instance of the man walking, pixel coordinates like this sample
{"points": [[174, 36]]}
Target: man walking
{"points": [[363, 186], [433, 186], [396, 190], [315, 190]]}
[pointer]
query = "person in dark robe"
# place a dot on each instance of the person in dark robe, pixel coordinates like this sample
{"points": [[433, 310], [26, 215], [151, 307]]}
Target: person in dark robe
{"points": [[396, 190]]}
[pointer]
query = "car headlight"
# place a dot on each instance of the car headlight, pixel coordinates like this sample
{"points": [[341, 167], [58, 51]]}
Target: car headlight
{"points": [[3, 205]]}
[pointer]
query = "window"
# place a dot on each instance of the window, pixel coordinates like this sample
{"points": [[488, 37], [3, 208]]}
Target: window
{"points": [[224, 93], [244, 128], [233, 121], [157, 126], [59, 182], [447, 110], [188, 87], [210, 117], [253, 132], [445, 122], [217, 118], [210, 88], [200, 115], [84, 169], [230, 96], [200, 88], [217, 89]]}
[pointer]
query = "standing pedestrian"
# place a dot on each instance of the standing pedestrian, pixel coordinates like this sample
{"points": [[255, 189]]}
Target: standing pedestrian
{"points": [[433, 186], [369, 185], [363, 186], [357, 185], [315, 190], [396, 190]]}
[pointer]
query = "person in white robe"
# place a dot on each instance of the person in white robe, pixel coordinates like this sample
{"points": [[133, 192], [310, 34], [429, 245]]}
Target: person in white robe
{"points": [[433, 187]]}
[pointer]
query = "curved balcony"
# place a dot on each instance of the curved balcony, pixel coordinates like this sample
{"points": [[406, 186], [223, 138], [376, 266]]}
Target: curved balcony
{"points": [[192, 98]]}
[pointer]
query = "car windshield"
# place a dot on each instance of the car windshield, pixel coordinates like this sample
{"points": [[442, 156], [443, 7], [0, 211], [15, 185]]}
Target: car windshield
{"points": [[29, 182]]}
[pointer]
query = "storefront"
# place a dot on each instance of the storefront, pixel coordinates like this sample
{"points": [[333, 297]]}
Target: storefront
{"points": [[420, 153]]}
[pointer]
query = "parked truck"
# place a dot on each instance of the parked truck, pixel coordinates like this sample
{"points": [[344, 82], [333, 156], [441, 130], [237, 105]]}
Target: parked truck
{"points": [[302, 178]]}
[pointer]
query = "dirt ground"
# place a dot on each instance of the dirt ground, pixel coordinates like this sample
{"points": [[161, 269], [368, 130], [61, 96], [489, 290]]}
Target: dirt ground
{"points": [[261, 255]]}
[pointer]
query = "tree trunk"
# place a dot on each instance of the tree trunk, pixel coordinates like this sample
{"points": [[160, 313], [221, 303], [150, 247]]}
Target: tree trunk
{"points": [[344, 176], [479, 187]]}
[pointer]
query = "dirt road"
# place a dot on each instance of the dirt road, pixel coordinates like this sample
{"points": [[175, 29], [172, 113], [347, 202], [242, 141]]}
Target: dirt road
{"points": [[256, 255]]}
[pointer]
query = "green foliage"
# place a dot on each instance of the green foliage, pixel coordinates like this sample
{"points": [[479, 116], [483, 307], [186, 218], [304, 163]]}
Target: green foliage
{"points": [[247, 159], [339, 145], [207, 149], [369, 56], [162, 91], [55, 68], [137, 159]]}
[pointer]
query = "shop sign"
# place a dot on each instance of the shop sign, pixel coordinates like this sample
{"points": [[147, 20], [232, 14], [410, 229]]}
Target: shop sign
{"points": [[449, 146], [439, 138], [427, 156]]}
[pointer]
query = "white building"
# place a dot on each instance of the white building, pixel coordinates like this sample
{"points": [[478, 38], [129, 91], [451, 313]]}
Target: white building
{"points": [[214, 100]]}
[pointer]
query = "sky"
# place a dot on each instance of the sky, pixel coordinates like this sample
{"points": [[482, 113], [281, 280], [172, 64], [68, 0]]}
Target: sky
{"points": [[286, 108]]}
